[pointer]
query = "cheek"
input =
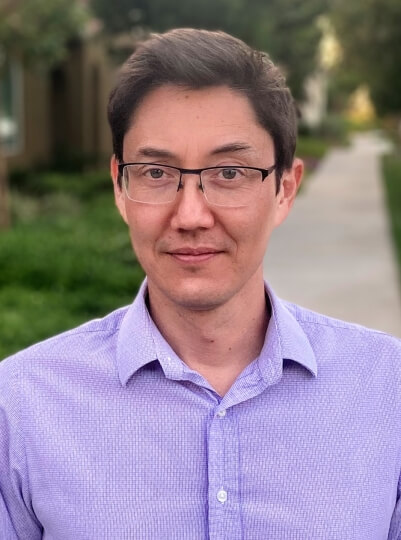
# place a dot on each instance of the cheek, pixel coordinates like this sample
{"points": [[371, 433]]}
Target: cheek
{"points": [[253, 232], [143, 228]]}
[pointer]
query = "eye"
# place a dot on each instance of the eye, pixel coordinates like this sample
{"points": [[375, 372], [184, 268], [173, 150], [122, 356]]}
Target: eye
{"points": [[229, 174], [156, 173]]}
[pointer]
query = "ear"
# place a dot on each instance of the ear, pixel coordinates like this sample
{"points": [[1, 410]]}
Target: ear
{"points": [[290, 183], [119, 196]]}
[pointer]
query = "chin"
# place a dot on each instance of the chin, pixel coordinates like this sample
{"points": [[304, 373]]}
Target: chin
{"points": [[197, 297]]}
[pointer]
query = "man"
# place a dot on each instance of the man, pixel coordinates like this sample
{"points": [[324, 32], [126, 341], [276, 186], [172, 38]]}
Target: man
{"points": [[209, 408]]}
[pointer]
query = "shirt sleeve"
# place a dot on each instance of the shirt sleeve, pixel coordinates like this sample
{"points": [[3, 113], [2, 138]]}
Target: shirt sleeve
{"points": [[17, 518], [395, 525]]}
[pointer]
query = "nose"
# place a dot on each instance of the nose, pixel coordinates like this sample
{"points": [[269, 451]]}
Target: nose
{"points": [[191, 210]]}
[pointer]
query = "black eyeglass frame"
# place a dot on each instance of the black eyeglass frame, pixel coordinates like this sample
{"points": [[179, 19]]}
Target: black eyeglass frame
{"points": [[265, 172]]}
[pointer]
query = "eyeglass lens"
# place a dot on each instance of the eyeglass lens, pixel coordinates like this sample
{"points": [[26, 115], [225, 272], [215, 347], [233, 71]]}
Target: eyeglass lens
{"points": [[223, 186]]}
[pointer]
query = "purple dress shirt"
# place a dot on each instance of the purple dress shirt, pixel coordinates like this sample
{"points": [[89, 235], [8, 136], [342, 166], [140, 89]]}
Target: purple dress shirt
{"points": [[105, 434]]}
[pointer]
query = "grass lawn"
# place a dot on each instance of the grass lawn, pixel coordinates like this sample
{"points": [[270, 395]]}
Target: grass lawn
{"points": [[392, 177], [66, 260]]}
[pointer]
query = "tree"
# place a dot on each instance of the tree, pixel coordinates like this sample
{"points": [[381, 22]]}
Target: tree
{"points": [[370, 35], [37, 32], [285, 28], [288, 29]]}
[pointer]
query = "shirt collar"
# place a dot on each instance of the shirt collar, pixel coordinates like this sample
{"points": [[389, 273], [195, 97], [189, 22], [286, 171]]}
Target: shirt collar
{"points": [[139, 342], [285, 340], [135, 345]]}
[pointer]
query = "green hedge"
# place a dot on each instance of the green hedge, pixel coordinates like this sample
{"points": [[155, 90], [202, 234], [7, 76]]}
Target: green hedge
{"points": [[392, 177], [67, 258], [311, 147]]}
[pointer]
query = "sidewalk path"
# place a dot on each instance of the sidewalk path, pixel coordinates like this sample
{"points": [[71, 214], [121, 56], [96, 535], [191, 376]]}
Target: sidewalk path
{"points": [[334, 253]]}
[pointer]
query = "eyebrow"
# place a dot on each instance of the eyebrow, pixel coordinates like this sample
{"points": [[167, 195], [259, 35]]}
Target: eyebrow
{"points": [[151, 152], [230, 148]]}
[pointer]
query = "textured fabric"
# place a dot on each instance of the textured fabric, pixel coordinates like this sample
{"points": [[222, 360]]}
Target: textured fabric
{"points": [[106, 434]]}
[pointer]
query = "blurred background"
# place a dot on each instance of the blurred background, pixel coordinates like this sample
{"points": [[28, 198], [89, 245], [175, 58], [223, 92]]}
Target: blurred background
{"points": [[65, 255]]}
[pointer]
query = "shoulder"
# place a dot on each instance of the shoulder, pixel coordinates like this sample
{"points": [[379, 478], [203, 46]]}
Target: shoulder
{"points": [[335, 333], [81, 342]]}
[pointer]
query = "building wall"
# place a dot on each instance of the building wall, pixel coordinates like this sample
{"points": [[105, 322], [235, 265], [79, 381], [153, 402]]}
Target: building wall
{"points": [[97, 81], [35, 140], [64, 110]]}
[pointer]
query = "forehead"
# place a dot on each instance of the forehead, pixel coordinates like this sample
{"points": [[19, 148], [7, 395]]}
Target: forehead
{"points": [[177, 118]]}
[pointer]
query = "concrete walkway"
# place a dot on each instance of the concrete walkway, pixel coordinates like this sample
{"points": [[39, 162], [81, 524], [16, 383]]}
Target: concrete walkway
{"points": [[334, 253]]}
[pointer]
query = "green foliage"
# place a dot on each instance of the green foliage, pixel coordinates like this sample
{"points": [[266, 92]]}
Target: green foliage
{"points": [[332, 129], [288, 30], [370, 34], [311, 147], [68, 258], [39, 30], [392, 176], [39, 183], [284, 28]]}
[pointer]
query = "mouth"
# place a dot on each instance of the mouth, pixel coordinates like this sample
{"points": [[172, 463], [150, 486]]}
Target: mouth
{"points": [[194, 255]]}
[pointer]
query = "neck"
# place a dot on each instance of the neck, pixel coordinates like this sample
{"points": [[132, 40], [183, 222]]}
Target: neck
{"points": [[217, 343]]}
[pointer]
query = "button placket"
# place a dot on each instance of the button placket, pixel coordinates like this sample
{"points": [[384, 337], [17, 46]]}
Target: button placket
{"points": [[223, 462]]}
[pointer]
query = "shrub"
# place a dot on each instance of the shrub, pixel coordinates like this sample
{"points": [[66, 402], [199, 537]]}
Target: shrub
{"points": [[68, 257], [392, 177]]}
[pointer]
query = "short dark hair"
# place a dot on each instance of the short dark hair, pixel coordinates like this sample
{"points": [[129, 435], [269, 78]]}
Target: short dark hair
{"points": [[197, 59]]}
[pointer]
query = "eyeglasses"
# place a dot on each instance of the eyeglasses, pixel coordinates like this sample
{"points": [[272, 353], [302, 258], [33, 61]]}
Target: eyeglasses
{"points": [[154, 183]]}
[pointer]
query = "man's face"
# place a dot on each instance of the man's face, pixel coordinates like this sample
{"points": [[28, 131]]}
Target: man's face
{"points": [[197, 255]]}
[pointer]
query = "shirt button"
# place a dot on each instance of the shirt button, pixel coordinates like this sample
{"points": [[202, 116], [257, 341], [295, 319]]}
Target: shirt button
{"points": [[222, 413], [222, 495]]}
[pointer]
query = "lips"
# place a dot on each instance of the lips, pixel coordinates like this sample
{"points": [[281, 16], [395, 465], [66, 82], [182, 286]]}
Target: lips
{"points": [[194, 251], [198, 254]]}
